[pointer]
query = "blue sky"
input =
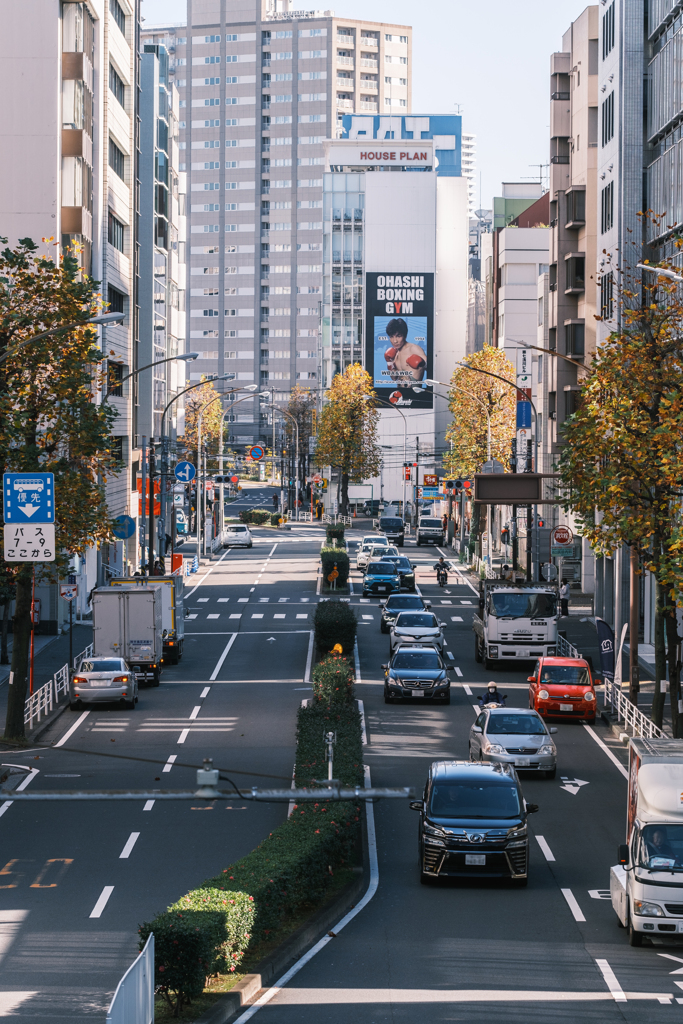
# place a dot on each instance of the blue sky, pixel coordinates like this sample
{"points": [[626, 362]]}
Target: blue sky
{"points": [[488, 60]]}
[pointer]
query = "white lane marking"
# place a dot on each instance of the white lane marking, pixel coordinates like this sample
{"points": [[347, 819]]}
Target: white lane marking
{"points": [[573, 904], [282, 600], [102, 901], [456, 618], [275, 989], [257, 615], [450, 655], [5, 807], [467, 689], [458, 672], [607, 750], [242, 600], [202, 600], [547, 852], [304, 599], [446, 602], [204, 693], [463, 601], [369, 618], [223, 656], [128, 848], [611, 981], [279, 616], [214, 616], [149, 804], [193, 616], [185, 733], [309, 659], [235, 615], [678, 960], [272, 550], [573, 785], [195, 711], [602, 894], [79, 721], [305, 616], [169, 764], [188, 596], [223, 600]]}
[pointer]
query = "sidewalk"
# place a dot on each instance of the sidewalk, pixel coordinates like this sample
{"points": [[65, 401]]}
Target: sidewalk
{"points": [[53, 654]]}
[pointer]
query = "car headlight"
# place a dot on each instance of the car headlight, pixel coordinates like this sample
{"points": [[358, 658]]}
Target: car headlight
{"points": [[551, 651], [493, 652], [495, 748], [548, 748], [589, 695], [430, 830], [543, 694], [644, 909], [517, 833]]}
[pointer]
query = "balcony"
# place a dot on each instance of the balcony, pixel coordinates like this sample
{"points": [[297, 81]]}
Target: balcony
{"points": [[345, 104], [345, 41], [367, 62], [345, 83], [368, 85], [368, 41], [370, 107], [346, 61]]}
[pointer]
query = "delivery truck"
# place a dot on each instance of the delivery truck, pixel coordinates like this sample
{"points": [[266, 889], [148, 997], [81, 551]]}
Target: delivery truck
{"points": [[646, 885], [172, 610], [127, 623], [516, 621]]}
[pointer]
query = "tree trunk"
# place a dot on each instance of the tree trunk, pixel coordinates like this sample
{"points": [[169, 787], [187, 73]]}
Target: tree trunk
{"points": [[16, 697], [672, 641], [660, 658], [344, 494], [4, 658], [475, 529]]}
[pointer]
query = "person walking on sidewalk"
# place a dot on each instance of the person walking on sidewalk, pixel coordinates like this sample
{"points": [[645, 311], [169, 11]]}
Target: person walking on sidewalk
{"points": [[564, 599]]}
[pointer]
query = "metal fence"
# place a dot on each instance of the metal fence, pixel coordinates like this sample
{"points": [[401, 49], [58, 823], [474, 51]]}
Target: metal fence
{"points": [[133, 1001], [565, 649], [49, 695], [346, 520], [619, 704]]}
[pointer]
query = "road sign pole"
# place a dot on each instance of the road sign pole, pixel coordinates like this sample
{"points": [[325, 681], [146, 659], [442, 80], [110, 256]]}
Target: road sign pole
{"points": [[33, 626], [71, 635], [143, 507]]}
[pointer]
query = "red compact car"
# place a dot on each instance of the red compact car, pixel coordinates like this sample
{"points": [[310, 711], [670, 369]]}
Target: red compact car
{"points": [[563, 688]]}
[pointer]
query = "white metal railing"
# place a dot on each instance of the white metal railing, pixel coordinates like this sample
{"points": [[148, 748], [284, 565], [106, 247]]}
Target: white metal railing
{"points": [[565, 649], [327, 518], [48, 696], [346, 61], [622, 707], [365, 62], [133, 1001], [346, 520], [305, 517]]}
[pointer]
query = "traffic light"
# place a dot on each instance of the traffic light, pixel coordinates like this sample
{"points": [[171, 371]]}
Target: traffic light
{"points": [[541, 522], [450, 485], [505, 535]]}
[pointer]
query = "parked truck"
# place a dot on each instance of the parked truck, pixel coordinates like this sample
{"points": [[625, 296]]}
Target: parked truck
{"points": [[172, 610], [646, 885], [516, 621], [127, 623]]}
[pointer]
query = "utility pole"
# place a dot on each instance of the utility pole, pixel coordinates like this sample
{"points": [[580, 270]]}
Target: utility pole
{"points": [[143, 506], [515, 542], [152, 546], [529, 513], [634, 626]]}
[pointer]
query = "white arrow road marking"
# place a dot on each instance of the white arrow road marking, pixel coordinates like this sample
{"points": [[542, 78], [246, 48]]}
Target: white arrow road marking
{"points": [[270, 640], [573, 785], [678, 960], [577, 913]]}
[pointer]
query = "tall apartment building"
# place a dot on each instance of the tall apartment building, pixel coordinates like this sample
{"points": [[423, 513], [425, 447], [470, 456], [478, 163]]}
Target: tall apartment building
{"points": [[469, 170], [262, 86], [68, 171]]}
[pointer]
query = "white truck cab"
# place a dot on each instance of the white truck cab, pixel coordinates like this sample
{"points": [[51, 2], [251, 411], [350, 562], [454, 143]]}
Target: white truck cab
{"points": [[515, 622], [646, 885]]}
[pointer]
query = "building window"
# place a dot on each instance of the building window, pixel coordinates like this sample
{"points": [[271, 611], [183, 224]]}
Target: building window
{"points": [[115, 235], [116, 450], [117, 14], [116, 85], [115, 379], [608, 119], [574, 333], [607, 296], [116, 159], [608, 30], [116, 300], [607, 208], [575, 269], [576, 209]]}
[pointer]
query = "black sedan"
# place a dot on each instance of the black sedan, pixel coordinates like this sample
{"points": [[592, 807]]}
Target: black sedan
{"points": [[417, 673], [400, 603], [406, 569]]}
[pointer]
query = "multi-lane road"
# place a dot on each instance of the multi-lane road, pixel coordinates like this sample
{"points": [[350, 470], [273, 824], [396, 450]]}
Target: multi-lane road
{"points": [[77, 879]]}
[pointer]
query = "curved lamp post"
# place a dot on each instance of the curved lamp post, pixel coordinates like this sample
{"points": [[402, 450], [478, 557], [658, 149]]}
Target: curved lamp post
{"points": [[283, 412], [104, 320], [383, 401]]}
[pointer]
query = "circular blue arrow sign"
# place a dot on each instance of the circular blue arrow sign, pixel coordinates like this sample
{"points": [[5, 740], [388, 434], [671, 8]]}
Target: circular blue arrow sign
{"points": [[185, 471], [125, 527]]}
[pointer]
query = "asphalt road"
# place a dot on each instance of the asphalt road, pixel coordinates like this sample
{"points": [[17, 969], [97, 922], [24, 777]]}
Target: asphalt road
{"points": [[467, 951]]}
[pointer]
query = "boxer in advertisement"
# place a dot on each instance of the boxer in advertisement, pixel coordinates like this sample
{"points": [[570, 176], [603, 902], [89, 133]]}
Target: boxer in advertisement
{"points": [[404, 359]]}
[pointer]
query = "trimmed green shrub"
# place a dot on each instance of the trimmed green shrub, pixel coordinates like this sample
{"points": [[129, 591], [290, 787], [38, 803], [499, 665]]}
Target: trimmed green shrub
{"points": [[331, 557], [184, 951], [333, 680], [274, 518], [335, 622], [237, 911], [260, 516], [311, 754], [245, 515], [334, 531]]}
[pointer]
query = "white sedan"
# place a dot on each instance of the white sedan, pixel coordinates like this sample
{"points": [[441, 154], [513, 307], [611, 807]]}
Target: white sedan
{"points": [[366, 546], [237, 535]]}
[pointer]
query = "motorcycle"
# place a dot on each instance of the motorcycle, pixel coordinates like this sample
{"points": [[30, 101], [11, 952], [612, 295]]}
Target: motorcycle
{"points": [[492, 705], [441, 577]]}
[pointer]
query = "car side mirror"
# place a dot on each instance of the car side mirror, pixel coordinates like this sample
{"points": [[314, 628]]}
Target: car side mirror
{"points": [[385, 667], [481, 606], [597, 682], [450, 666], [415, 805], [622, 853], [552, 730], [442, 624], [531, 679], [428, 604], [531, 808], [476, 728], [413, 565]]}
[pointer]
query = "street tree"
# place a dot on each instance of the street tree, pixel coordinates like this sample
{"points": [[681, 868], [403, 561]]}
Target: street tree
{"points": [[347, 431], [51, 420], [622, 460], [196, 400], [301, 406]]}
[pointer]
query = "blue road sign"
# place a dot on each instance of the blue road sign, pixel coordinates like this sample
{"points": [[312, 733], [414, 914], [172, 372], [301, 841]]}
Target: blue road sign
{"points": [[125, 527], [185, 472], [257, 452], [29, 497]]}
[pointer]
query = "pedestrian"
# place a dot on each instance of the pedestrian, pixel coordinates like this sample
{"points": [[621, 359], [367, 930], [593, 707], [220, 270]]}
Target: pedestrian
{"points": [[275, 503], [319, 509], [444, 522], [564, 599]]}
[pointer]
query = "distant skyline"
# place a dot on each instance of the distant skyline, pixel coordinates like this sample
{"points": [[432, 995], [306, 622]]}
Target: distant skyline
{"points": [[488, 61]]}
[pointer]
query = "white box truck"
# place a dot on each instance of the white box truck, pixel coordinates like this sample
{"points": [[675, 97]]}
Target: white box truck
{"points": [[172, 610], [127, 622], [647, 884], [516, 621]]}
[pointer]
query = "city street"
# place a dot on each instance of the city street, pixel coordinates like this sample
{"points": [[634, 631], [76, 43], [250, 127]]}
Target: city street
{"points": [[77, 879]]}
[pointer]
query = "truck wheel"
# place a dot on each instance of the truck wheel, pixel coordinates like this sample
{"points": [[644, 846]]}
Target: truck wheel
{"points": [[155, 677], [477, 649], [634, 938]]}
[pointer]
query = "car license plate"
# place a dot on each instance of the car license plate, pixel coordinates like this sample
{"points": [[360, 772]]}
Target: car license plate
{"points": [[383, 589], [475, 859], [522, 762], [566, 707], [99, 684], [522, 654], [418, 693]]}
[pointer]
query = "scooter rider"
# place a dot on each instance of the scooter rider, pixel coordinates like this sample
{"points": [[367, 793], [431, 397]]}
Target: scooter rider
{"points": [[441, 567], [492, 695]]}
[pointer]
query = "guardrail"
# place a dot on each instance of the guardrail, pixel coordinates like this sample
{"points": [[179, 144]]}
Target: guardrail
{"points": [[133, 1001], [622, 707], [565, 649], [49, 695], [346, 520]]}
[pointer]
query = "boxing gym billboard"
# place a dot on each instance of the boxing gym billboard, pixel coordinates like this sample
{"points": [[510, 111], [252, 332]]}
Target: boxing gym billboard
{"points": [[399, 337]]}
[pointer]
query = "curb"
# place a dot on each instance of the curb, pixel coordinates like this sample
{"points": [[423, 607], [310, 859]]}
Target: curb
{"points": [[619, 730]]}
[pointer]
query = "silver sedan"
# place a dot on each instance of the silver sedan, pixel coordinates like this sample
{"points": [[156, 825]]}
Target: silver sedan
{"points": [[517, 736], [417, 627], [99, 680]]}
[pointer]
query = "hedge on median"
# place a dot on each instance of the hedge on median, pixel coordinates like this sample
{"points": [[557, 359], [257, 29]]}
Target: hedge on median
{"points": [[334, 532], [332, 557], [185, 944], [255, 516], [333, 679], [334, 622]]}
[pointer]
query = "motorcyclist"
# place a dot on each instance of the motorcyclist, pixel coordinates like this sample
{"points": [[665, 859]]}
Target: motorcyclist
{"points": [[492, 695], [441, 567]]}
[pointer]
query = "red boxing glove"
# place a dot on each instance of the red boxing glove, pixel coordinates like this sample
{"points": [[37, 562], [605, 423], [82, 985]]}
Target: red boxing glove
{"points": [[415, 362], [390, 354]]}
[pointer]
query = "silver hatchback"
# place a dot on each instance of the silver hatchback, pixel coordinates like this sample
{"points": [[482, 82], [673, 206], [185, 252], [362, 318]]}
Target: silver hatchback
{"points": [[100, 680], [517, 736]]}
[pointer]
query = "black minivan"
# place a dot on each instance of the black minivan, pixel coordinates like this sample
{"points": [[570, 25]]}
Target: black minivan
{"points": [[473, 823], [393, 529]]}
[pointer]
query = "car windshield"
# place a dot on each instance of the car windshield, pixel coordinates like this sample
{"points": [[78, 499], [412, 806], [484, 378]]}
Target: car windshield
{"points": [[523, 606], [416, 660], [237, 529], [381, 569], [393, 525], [509, 725], [430, 522], [474, 798], [567, 675], [403, 602], [105, 665], [401, 562], [425, 620], [660, 847], [381, 542]]}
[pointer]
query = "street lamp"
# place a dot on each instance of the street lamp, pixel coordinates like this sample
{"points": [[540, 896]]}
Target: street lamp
{"points": [[104, 319], [382, 401], [249, 387], [660, 271]]}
